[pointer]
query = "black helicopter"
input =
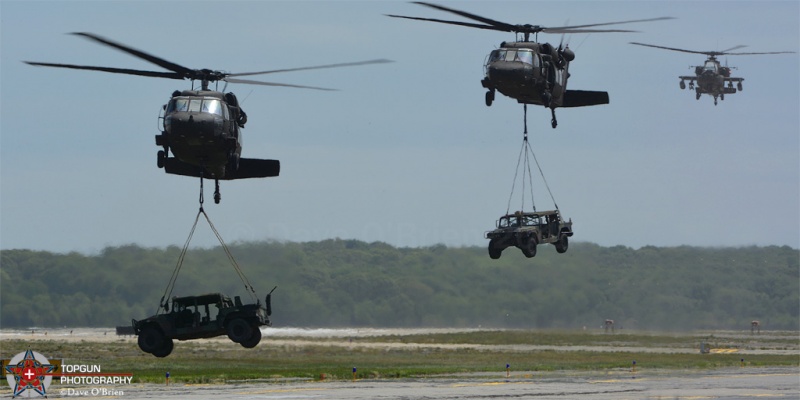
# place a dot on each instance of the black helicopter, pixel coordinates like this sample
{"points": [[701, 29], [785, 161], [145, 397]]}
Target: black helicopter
{"points": [[528, 71], [711, 77], [202, 127]]}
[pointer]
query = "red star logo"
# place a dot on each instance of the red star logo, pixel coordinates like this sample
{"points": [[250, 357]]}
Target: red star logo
{"points": [[29, 373]]}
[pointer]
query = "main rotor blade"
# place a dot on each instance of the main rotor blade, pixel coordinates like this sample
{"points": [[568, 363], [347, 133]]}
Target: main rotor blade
{"points": [[137, 53], [249, 82], [497, 24], [157, 74], [733, 48], [714, 53], [351, 64], [747, 54], [506, 27], [562, 31], [607, 23], [469, 24], [670, 48]]}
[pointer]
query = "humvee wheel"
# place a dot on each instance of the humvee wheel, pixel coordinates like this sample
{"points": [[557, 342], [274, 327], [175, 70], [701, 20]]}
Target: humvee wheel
{"points": [[529, 247], [563, 243], [254, 339], [494, 252], [165, 349], [239, 330], [150, 339]]}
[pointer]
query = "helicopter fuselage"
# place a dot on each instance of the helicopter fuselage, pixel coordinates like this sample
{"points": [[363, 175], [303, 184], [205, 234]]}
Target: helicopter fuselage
{"points": [[711, 79], [202, 129], [198, 129], [529, 72], [535, 73]]}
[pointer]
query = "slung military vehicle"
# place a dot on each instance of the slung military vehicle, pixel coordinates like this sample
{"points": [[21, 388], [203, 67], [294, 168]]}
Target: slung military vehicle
{"points": [[204, 316], [526, 230]]}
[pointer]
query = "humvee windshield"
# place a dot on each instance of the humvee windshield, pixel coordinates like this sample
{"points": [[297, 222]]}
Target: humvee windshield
{"points": [[514, 220]]}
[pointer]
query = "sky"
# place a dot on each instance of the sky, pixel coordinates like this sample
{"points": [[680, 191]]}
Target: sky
{"points": [[405, 153]]}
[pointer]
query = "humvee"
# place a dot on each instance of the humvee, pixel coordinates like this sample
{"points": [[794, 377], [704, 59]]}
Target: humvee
{"points": [[205, 316], [525, 230]]}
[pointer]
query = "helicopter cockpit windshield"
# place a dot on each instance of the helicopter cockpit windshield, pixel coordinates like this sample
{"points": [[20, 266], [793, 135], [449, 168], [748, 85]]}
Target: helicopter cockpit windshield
{"points": [[520, 55], [208, 106], [710, 66]]}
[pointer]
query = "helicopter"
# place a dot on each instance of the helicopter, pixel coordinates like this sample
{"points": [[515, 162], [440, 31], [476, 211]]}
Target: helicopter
{"points": [[711, 77], [202, 127], [528, 71]]}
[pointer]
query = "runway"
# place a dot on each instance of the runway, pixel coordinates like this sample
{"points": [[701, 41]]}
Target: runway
{"points": [[733, 383], [745, 382]]}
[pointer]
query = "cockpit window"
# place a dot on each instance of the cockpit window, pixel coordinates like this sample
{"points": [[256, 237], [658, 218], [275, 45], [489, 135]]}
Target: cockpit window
{"points": [[178, 105], [710, 66], [522, 55], [497, 55], [212, 106], [194, 105], [525, 56]]}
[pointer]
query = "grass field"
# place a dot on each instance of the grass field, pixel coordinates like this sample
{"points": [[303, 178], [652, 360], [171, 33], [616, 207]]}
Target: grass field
{"points": [[419, 355]]}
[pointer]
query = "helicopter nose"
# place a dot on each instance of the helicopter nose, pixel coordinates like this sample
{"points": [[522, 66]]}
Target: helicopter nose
{"points": [[502, 72]]}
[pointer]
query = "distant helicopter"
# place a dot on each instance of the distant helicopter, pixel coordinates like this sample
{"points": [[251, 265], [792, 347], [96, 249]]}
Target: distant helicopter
{"points": [[712, 76], [202, 127], [531, 72]]}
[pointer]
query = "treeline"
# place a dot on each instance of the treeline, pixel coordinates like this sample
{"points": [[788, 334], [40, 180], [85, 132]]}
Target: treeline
{"points": [[337, 283]]}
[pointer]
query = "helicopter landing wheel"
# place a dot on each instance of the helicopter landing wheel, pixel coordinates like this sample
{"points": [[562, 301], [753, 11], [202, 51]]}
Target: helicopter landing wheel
{"points": [[715, 101], [722, 96], [489, 98], [162, 156], [217, 195], [697, 96], [553, 121]]}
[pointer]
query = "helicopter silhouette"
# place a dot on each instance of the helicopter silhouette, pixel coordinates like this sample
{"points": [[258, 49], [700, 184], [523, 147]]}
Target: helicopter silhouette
{"points": [[202, 127], [528, 71], [711, 77]]}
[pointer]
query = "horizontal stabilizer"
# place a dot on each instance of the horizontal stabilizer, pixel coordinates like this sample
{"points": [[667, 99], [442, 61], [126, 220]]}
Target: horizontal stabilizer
{"points": [[177, 167], [248, 168], [254, 168], [583, 98]]}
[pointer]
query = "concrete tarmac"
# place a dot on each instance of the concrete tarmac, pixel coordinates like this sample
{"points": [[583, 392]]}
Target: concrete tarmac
{"points": [[730, 383]]}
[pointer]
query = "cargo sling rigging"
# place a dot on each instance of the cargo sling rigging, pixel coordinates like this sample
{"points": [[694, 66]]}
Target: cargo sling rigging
{"points": [[526, 154], [173, 279]]}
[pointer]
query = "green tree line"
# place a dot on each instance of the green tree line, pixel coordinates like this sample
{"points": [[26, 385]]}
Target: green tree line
{"points": [[338, 283]]}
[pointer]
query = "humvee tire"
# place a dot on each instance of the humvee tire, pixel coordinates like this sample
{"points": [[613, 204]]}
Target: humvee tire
{"points": [[239, 330]]}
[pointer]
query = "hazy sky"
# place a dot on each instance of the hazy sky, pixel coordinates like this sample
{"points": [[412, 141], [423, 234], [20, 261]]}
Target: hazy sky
{"points": [[406, 153]]}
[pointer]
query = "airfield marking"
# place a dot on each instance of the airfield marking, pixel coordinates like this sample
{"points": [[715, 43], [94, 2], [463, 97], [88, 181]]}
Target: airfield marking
{"points": [[724, 351], [281, 390], [495, 383]]}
